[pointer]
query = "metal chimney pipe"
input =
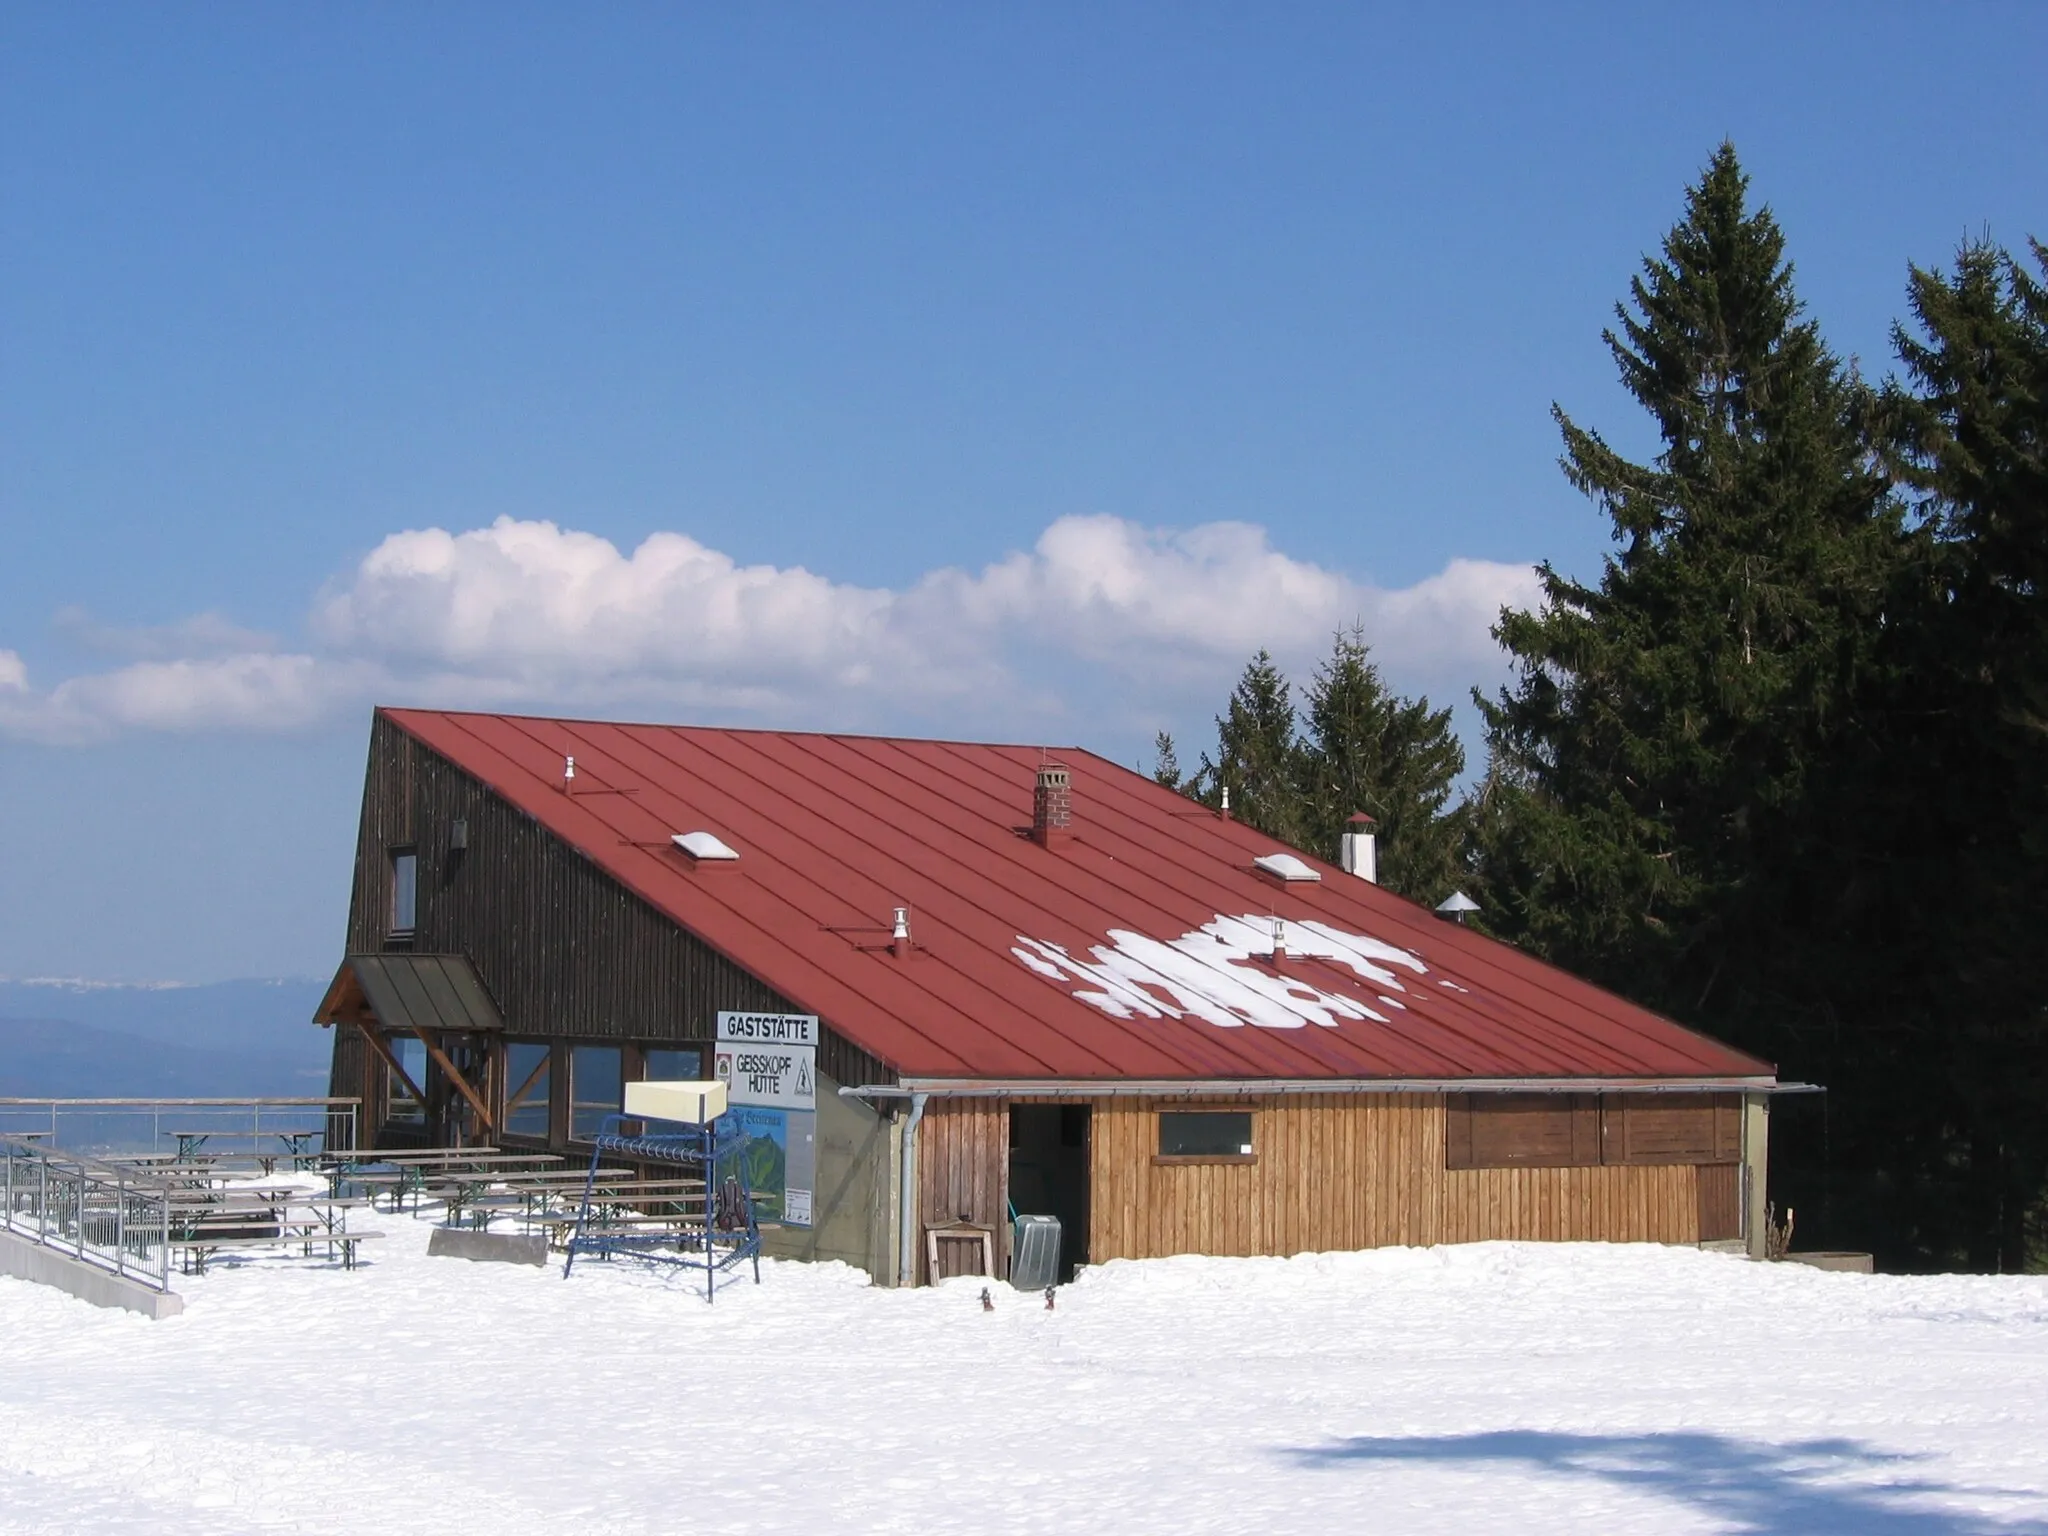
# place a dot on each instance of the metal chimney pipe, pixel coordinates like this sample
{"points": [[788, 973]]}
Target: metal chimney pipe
{"points": [[1358, 849]]}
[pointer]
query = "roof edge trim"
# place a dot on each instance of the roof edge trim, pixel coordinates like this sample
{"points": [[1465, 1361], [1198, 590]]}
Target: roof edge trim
{"points": [[1087, 1088]]}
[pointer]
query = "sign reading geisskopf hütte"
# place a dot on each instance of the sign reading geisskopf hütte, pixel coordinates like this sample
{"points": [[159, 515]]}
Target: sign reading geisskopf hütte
{"points": [[769, 1059]]}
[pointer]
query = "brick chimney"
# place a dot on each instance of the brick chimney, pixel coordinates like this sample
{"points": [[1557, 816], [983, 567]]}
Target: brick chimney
{"points": [[1052, 805]]}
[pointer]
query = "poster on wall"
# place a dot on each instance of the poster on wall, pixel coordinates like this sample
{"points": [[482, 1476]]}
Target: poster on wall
{"points": [[769, 1065]]}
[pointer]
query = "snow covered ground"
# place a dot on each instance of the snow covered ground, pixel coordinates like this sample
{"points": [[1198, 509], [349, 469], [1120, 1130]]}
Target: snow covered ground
{"points": [[1499, 1387]]}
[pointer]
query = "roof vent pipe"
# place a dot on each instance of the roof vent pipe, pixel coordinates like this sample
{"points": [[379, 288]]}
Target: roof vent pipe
{"points": [[1455, 906], [568, 774], [899, 941], [1279, 942], [1358, 849], [1226, 802], [1052, 805]]}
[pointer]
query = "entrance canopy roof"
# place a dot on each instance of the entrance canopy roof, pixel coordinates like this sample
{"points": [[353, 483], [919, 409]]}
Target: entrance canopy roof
{"points": [[410, 992]]}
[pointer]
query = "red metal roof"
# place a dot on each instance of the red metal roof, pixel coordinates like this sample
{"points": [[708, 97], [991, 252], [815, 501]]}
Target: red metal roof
{"points": [[1139, 910]]}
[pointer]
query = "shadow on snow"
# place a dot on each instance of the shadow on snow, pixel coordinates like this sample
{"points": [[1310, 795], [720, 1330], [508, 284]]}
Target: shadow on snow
{"points": [[1754, 1486]]}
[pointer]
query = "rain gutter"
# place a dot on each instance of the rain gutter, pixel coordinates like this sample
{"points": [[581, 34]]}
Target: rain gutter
{"points": [[917, 1088]]}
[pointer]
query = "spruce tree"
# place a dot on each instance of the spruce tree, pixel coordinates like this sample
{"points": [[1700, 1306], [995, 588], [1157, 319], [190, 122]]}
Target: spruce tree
{"points": [[1971, 702], [1644, 818], [1396, 759], [1258, 758], [1166, 762]]}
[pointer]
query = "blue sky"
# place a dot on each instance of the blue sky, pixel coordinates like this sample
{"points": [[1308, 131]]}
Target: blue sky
{"points": [[1005, 372]]}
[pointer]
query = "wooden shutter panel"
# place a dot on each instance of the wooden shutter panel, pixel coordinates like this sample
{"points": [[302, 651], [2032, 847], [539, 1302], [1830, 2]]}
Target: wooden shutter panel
{"points": [[1720, 1203], [1727, 1128], [1652, 1128], [1458, 1130], [1585, 1111]]}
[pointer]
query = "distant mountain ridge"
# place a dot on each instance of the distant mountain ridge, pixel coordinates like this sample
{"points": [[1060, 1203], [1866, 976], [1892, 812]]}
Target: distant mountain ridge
{"points": [[67, 1039]]}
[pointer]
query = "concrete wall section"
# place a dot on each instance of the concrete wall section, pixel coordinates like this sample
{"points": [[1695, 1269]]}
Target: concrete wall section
{"points": [[851, 1205], [1756, 1165], [26, 1259]]}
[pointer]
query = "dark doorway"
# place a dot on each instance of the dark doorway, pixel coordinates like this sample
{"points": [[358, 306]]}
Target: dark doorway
{"points": [[1049, 1173]]}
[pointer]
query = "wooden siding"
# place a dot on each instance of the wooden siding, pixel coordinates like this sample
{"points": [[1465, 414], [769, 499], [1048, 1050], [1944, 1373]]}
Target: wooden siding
{"points": [[1340, 1171], [963, 1169], [567, 952], [1720, 1202], [1657, 1204]]}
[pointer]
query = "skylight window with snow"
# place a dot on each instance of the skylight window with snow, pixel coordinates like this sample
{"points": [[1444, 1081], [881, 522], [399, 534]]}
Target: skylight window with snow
{"points": [[706, 847], [1286, 866]]}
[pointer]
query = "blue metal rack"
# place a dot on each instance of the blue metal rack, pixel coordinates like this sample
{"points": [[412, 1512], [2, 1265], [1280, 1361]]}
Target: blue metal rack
{"points": [[728, 1232]]}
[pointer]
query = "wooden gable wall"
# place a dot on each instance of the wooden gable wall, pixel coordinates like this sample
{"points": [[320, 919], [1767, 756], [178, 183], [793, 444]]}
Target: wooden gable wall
{"points": [[566, 951]]}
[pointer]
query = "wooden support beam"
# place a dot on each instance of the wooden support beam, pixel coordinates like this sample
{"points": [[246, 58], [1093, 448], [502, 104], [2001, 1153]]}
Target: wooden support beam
{"points": [[378, 1045], [461, 1083]]}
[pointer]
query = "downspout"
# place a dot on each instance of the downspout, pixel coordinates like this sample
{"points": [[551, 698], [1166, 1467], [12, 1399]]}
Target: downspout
{"points": [[906, 1248]]}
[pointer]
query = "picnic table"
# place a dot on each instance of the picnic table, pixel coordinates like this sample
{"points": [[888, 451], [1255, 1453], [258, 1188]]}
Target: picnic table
{"points": [[296, 1145], [203, 1225], [409, 1171], [523, 1198]]}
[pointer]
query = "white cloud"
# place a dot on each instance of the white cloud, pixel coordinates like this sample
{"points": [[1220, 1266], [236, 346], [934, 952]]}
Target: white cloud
{"points": [[203, 634], [251, 692], [529, 614]]}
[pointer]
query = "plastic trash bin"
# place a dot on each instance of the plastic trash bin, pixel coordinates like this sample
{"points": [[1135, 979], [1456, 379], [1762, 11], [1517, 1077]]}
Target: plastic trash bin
{"points": [[1035, 1253]]}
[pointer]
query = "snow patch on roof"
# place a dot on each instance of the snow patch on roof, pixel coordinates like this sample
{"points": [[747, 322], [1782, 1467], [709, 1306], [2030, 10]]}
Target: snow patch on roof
{"points": [[1222, 973]]}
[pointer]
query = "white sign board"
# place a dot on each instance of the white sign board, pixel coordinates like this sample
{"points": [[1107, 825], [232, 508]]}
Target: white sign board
{"points": [[769, 1029], [769, 1059], [769, 1064], [770, 1076]]}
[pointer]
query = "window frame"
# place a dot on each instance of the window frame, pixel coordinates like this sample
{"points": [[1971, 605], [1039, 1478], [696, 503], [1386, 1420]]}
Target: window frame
{"points": [[542, 1099], [395, 1091], [406, 855], [1165, 1159], [648, 1048], [572, 1049]]}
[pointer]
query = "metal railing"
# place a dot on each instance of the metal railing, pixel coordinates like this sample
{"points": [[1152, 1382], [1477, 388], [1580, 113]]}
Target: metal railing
{"points": [[114, 1218], [171, 1125]]}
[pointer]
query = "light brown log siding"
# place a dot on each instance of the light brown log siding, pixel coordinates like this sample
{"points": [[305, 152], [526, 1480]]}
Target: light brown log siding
{"points": [[1357, 1171], [963, 1170]]}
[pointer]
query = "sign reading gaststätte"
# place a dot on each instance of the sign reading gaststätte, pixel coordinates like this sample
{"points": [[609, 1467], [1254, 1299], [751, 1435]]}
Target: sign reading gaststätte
{"points": [[768, 1028]]}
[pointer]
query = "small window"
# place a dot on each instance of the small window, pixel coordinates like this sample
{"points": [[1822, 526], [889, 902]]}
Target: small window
{"points": [[400, 1107], [596, 1087], [1205, 1134], [527, 1064], [405, 889], [667, 1064]]}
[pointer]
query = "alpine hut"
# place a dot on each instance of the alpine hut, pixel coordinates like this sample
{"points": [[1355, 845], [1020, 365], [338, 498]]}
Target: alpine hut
{"points": [[949, 982]]}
